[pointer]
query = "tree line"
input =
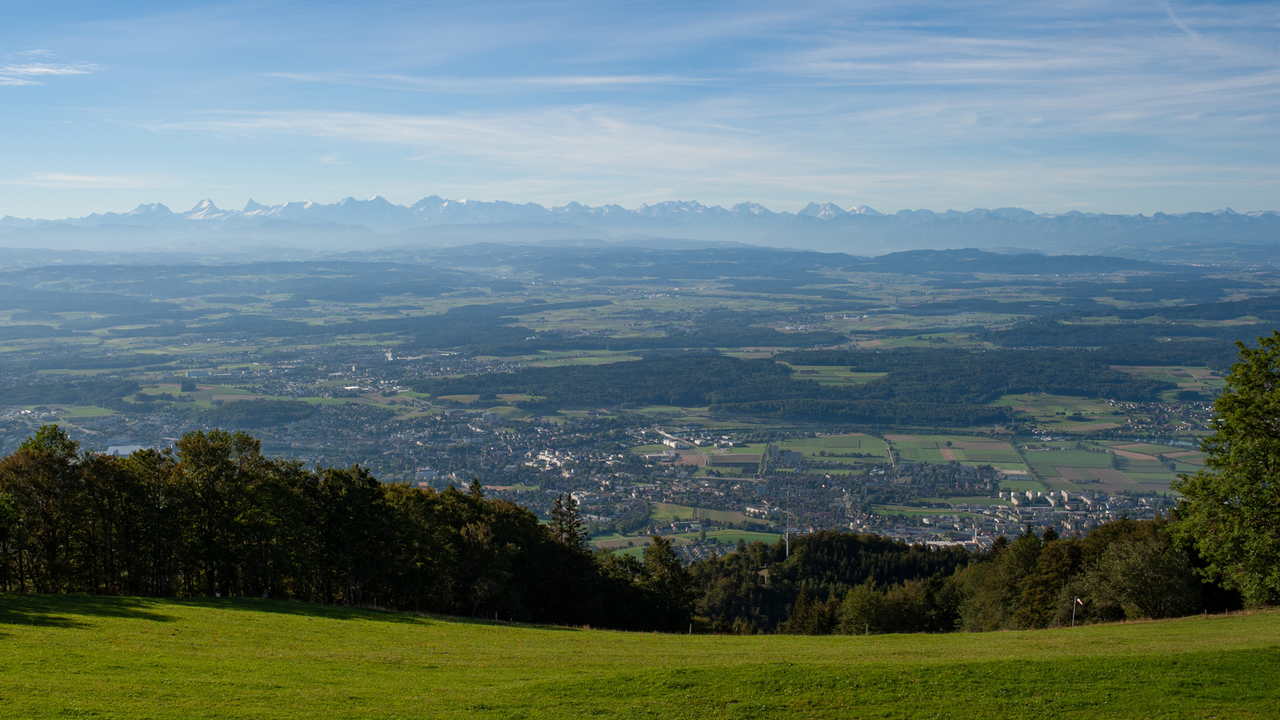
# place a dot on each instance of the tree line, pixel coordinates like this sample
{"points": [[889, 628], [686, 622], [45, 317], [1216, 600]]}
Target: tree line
{"points": [[103, 392], [214, 517], [924, 374], [837, 583], [1210, 343], [1219, 550]]}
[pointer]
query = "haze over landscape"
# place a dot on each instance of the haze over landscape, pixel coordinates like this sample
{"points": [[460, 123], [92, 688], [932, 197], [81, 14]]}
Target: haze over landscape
{"points": [[539, 359], [1155, 107], [352, 224]]}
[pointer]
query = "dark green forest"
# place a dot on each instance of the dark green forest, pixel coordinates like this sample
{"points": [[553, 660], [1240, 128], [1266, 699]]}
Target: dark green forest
{"points": [[106, 392], [257, 413], [922, 387], [216, 518], [853, 584], [213, 517]]}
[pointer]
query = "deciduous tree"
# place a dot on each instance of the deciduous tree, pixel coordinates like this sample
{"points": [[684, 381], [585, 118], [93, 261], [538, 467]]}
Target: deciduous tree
{"points": [[1230, 510]]}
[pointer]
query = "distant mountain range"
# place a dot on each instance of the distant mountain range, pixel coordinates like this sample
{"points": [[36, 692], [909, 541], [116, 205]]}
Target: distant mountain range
{"points": [[377, 223]]}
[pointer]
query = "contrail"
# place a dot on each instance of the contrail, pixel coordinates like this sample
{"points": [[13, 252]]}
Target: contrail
{"points": [[1195, 36]]}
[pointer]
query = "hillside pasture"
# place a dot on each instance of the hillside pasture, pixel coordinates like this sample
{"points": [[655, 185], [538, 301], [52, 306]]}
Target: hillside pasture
{"points": [[70, 656]]}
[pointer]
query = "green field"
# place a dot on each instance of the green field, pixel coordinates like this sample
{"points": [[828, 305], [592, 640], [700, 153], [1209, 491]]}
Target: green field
{"points": [[549, 359], [1064, 413], [72, 656], [965, 449], [968, 500], [1123, 465], [838, 448], [1199, 379], [832, 374], [635, 544], [85, 411], [731, 537], [667, 512]]}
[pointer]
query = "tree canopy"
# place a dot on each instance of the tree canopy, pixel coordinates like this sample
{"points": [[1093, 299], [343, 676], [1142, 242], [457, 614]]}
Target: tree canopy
{"points": [[920, 387], [214, 517], [1230, 510]]}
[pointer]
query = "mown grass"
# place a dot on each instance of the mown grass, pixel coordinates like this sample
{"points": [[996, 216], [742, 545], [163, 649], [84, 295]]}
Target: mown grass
{"points": [[70, 656]]}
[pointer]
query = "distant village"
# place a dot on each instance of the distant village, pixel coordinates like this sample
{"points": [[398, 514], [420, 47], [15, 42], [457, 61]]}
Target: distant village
{"points": [[618, 467]]}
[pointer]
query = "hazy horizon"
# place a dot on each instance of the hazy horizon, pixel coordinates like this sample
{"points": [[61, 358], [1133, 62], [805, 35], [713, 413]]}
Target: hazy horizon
{"points": [[1167, 107], [236, 207]]}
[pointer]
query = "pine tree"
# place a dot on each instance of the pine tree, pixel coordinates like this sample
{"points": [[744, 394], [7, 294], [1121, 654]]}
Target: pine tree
{"points": [[670, 584], [566, 523]]}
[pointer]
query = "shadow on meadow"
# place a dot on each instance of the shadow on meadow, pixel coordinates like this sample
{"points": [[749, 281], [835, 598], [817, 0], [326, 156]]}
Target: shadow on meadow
{"points": [[340, 612], [57, 610], [72, 611], [299, 608], [67, 611]]}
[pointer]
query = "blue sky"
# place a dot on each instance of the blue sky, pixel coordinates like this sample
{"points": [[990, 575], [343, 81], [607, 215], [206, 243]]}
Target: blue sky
{"points": [[1054, 106]]}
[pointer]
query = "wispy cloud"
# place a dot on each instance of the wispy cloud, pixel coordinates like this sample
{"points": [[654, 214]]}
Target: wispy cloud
{"points": [[488, 84], [67, 181], [924, 103], [31, 73], [554, 140], [1195, 36]]}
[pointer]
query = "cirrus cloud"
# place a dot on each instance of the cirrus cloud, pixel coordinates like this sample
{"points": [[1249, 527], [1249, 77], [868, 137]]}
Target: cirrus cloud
{"points": [[31, 73], [64, 180]]}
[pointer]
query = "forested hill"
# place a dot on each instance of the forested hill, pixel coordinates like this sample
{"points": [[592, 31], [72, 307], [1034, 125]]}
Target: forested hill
{"points": [[924, 387], [973, 260], [833, 582], [214, 517]]}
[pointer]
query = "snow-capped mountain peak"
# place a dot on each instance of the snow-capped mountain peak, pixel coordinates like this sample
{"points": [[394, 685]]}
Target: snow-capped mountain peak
{"points": [[818, 226], [206, 210], [825, 211], [150, 209], [252, 208], [750, 208]]}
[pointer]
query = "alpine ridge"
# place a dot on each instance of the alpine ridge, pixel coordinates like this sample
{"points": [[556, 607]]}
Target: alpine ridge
{"points": [[826, 227]]}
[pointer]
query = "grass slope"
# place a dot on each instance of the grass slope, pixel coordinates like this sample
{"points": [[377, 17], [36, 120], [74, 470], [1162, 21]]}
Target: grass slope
{"points": [[126, 658]]}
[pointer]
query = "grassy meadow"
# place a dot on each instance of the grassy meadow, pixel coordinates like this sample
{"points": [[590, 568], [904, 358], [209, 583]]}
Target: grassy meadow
{"points": [[74, 656]]}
